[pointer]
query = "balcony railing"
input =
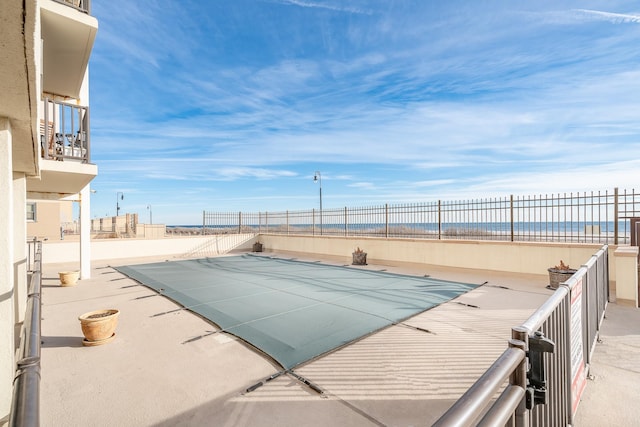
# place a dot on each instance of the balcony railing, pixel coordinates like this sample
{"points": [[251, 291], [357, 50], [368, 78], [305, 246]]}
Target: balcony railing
{"points": [[64, 132], [81, 5]]}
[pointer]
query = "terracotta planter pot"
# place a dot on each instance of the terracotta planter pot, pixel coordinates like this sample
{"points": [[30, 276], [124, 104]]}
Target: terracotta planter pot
{"points": [[68, 278], [99, 326]]}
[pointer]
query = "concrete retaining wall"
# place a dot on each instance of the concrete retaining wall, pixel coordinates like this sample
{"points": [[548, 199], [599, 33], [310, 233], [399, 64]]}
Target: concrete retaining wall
{"points": [[516, 257], [151, 231], [56, 252]]}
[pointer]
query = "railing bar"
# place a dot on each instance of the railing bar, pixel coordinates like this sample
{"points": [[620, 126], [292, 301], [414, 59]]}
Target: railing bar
{"points": [[535, 321], [503, 408], [470, 406], [25, 404]]}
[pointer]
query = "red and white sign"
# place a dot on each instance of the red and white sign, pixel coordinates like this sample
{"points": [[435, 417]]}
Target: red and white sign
{"points": [[578, 374]]}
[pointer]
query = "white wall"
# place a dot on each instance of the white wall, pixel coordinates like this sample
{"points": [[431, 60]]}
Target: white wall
{"points": [[626, 265], [516, 257], [151, 231], [20, 245], [106, 249], [7, 319]]}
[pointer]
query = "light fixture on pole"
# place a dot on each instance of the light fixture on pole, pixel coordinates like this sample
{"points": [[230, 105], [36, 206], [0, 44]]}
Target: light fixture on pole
{"points": [[317, 177], [119, 196], [150, 214]]}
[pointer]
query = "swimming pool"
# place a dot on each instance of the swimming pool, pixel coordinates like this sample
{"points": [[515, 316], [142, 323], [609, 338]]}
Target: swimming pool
{"points": [[294, 311]]}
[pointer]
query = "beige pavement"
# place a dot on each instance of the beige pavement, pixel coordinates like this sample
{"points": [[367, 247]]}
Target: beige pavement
{"points": [[405, 375], [612, 396]]}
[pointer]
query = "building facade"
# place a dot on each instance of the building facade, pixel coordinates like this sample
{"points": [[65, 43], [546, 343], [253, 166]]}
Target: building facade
{"points": [[49, 219], [45, 150]]}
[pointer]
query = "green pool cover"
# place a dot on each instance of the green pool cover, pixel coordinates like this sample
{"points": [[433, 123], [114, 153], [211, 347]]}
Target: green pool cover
{"points": [[294, 311]]}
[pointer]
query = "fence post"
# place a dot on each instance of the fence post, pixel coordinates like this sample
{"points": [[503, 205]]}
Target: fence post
{"points": [[615, 216], [520, 339], [511, 214], [346, 232], [386, 220], [239, 222], [266, 221], [313, 221], [439, 219], [203, 221]]}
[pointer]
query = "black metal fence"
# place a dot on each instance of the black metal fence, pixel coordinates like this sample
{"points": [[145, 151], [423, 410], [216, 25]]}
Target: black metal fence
{"points": [[596, 217]]}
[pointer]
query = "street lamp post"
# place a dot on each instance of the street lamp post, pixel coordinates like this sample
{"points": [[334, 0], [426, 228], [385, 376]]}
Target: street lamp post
{"points": [[119, 196], [317, 177], [150, 214]]}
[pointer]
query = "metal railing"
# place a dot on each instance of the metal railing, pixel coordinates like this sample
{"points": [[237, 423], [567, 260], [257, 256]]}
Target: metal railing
{"points": [[64, 132], [595, 217], [25, 404], [81, 5], [558, 340], [33, 246]]}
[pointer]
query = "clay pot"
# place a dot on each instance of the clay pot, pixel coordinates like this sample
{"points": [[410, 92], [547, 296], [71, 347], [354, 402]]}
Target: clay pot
{"points": [[69, 278], [99, 326]]}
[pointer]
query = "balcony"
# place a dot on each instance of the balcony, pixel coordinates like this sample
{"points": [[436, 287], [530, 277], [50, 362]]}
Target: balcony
{"points": [[68, 33], [65, 149], [81, 5], [64, 132]]}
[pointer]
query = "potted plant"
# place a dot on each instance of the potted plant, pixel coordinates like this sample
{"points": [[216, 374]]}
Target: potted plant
{"points": [[559, 274], [359, 257], [257, 247], [68, 278], [99, 326]]}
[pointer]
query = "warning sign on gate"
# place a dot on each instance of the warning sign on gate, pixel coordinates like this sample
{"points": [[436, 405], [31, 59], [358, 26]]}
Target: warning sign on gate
{"points": [[578, 374]]}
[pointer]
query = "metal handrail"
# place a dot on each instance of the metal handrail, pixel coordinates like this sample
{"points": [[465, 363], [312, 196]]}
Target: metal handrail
{"points": [[471, 405], [25, 404], [553, 319]]}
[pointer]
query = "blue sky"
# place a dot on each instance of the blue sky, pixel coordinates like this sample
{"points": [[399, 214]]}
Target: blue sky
{"points": [[232, 105]]}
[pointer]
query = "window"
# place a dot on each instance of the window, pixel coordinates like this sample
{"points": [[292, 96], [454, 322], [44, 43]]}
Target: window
{"points": [[31, 211]]}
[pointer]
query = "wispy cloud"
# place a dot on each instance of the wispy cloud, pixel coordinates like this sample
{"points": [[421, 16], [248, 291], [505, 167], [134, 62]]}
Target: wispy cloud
{"points": [[615, 18], [325, 5]]}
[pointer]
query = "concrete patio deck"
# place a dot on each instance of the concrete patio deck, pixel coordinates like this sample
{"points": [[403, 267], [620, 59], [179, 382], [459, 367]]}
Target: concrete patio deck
{"points": [[405, 375]]}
